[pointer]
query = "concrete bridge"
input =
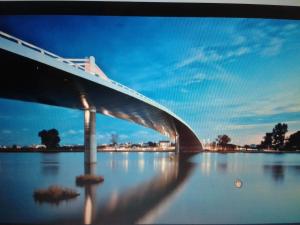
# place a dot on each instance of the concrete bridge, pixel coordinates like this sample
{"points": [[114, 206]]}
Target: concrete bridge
{"points": [[32, 74]]}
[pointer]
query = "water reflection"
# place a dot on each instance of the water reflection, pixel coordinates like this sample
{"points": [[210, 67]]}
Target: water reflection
{"points": [[140, 203], [125, 162], [206, 164], [156, 195], [141, 162], [296, 169], [89, 196], [222, 167], [278, 171], [50, 164], [135, 204]]}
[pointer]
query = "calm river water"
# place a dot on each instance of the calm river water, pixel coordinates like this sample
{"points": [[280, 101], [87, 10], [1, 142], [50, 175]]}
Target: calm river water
{"points": [[154, 188]]}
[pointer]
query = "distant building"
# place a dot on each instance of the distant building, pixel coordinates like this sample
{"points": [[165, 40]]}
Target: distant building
{"points": [[39, 146], [253, 146], [136, 146], [229, 147], [164, 144], [127, 145], [145, 145], [225, 147]]}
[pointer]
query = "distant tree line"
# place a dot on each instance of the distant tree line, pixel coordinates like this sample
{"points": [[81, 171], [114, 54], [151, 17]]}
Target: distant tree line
{"points": [[272, 140], [276, 139]]}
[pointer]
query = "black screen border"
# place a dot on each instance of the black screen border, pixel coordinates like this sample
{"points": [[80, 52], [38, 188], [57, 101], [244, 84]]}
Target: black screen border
{"points": [[161, 9]]}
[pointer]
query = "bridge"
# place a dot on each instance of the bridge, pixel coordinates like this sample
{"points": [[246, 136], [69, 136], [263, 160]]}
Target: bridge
{"points": [[32, 74]]}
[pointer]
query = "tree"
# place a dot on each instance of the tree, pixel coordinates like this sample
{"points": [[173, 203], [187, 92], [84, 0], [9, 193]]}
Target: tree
{"points": [[279, 132], [268, 141], [114, 139], [50, 138], [223, 140], [294, 141]]}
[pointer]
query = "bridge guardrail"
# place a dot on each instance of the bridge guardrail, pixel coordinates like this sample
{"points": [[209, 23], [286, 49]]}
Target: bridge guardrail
{"points": [[40, 50], [69, 62]]}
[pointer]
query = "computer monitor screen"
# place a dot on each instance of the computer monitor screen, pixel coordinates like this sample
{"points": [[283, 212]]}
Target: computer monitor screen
{"points": [[149, 117]]}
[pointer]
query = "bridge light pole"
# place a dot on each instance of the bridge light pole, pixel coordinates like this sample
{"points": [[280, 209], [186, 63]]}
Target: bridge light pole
{"points": [[92, 62], [90, 144]]}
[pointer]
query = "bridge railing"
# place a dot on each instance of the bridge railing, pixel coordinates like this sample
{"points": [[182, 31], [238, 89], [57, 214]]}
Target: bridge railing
{"points": [[131, 90], [40, 50], [77, 63]]}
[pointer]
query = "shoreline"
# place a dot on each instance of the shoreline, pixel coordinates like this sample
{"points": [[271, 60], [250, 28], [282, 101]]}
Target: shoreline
{"points": [[78, 151]]}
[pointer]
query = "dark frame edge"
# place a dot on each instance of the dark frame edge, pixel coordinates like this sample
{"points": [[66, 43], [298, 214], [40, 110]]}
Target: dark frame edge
{"points": [[162, 9]]}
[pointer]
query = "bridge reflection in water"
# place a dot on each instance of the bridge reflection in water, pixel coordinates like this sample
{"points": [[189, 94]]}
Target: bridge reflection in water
{"points": [[89, 211], [139, 204]]}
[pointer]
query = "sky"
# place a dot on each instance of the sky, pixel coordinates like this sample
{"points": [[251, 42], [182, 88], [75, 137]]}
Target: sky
{"points": [[229, 76]]}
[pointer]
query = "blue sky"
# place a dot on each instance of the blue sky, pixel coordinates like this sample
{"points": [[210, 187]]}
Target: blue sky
{"points": [[222, 76]]}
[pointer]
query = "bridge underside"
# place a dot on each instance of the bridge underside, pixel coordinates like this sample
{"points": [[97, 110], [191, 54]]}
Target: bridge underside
{"points": [[26, 79]]}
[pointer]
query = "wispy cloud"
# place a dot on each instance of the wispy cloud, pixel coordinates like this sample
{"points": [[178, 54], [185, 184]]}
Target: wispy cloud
{"points": [[200, 77], [134, 136], [182, 79], [278, 103], [269, 39], [5, 131], [265, 39], [71, 132], [262, 126], [123, 136], [239, 40], [273, 47], [5, 117], [205, 55], [290, 27]]}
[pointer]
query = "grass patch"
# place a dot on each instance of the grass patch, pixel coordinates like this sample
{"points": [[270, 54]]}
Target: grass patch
{"points": [[88, 179], [54, 194]]}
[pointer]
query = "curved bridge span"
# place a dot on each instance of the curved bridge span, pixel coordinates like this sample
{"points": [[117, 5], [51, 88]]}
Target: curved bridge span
{"points": [[31, 74]]}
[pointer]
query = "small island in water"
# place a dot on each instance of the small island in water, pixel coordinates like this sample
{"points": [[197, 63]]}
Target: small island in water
{"points": [[54, 194]]}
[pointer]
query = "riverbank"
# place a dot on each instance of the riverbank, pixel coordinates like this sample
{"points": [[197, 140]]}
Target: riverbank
{"points": [[254, 151], [72, 151]]}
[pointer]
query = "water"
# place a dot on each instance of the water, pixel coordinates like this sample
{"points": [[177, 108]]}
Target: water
{"points": [[154, 188]]}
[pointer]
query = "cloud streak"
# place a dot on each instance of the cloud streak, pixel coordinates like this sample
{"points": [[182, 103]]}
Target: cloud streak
{"points": [[206, 55], [264, 39]]}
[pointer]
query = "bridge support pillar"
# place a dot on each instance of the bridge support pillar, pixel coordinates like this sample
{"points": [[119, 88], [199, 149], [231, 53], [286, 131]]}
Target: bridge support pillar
{"points": [[90, 144], [177, 144]]}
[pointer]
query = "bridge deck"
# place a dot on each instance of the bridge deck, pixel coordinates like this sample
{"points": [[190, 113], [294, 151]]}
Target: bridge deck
{"points": [[28, 75]]}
